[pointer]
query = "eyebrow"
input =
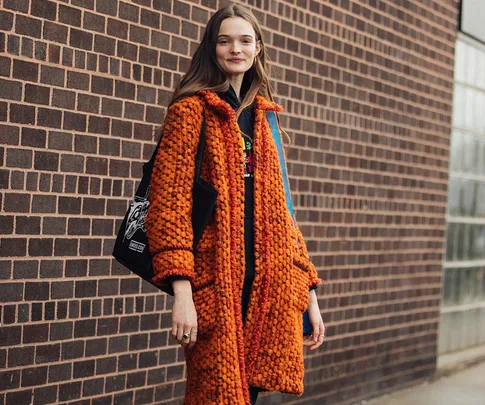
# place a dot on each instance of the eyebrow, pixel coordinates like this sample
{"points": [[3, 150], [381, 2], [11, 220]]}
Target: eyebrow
{"points": [[227, 35]]}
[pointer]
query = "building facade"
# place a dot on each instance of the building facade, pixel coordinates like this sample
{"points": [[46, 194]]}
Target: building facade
{"points": [[367, 88], [462, 321]]}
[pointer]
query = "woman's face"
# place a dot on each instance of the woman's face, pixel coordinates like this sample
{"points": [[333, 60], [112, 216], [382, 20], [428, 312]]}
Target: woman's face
{"points": [[236, 46]]}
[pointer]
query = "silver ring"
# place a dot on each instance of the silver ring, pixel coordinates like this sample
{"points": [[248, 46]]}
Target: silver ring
{"points": [[185, 336]]}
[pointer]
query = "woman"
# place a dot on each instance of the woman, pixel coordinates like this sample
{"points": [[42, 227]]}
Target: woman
{"points": [[240, 295]]}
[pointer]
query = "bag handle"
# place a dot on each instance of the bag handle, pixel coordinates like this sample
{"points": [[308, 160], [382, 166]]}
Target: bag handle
{"points": [[273, 123], [200, 150]]}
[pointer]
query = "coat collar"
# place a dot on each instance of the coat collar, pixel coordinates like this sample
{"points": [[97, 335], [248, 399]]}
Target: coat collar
{"points": [[222, 107]]}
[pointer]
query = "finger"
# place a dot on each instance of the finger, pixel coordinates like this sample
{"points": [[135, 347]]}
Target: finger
{"points": [[308, 341], [316, 330], [318, 344], [180, 333], [186, 336], [174, 330], [193, 337], [320, 337]]}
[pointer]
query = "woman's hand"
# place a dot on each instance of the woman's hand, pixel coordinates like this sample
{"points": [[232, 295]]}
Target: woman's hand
{"points": [[184, 315], [315, 340]]}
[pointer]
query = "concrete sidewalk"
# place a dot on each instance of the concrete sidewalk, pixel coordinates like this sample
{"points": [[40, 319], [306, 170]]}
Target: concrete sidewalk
{"points": [[465, 387]]}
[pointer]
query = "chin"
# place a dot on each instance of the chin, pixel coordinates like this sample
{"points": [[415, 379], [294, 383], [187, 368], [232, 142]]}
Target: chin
{"points": [[236, 72]]}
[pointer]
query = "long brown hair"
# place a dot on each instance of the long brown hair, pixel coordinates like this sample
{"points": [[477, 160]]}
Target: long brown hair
{"points": [[205, 73]]}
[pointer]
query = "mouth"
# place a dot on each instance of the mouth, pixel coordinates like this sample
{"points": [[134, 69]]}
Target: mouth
{"points": [[235, 60]]}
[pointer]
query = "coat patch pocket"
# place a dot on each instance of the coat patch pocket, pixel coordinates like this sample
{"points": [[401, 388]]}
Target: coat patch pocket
{"points": [[204, 297], [300, 285]]}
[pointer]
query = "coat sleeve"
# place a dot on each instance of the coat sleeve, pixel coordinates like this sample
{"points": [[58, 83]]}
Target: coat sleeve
{"points": [[303, 260], [169, 217]]}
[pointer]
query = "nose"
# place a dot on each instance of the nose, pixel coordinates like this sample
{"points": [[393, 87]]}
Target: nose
{"points": [[235, 48]]}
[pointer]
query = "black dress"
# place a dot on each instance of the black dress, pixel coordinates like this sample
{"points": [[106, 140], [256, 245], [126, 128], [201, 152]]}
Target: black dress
{"points": [[246, 125]]}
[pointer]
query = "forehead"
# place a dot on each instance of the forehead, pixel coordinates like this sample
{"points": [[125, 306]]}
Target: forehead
{"points": [[236, 26]]}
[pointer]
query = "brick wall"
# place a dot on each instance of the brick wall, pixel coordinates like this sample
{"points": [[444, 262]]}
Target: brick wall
{"points": [[367, 89]]}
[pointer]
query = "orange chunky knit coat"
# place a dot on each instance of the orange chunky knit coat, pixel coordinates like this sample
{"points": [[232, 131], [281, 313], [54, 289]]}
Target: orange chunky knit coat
{"points": [[228, 357]]}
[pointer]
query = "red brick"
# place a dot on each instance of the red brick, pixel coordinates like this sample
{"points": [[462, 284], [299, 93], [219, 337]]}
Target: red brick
{"points": [[83, 369], [21, 356], [34, 376], [60, 141], [88, 4], [10, 90], [170, 24], [94, 22], [22, 114], [93, 387], [139, 35], [127, 50], [48, 117], [53, 226], [165, 6], [182, 10], [69, 391], [19, 158], [75, 121], [70, 16], [102, 85], [69, 205], [6, 222], [90, 247], [35, 333], [84, 328], [46, 161], [19, 397], [111, 107], [63, 99], [44, 9], [77, 80], [17, 202], [5, 66], [129, 12], [109, 7], [28, 26], [168, 61], [6, 20], [45, 395], [148, 56], [60, 372], [13, 247], [96, 165], [27, 226], [81, 39], [105, 45], [88, 103], [40, 51], [52, 75], [40, 247], [115, 383], [37, 94], [43, 203]]}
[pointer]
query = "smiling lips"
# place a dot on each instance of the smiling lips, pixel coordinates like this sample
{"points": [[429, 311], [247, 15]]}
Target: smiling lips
{"points": [[236, 60]]}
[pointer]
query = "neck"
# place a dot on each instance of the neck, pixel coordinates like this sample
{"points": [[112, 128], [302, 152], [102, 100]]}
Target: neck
{"points": [[236, 83]]}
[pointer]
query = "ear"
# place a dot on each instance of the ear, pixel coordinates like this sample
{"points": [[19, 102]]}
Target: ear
{"points": [[258, 47]]}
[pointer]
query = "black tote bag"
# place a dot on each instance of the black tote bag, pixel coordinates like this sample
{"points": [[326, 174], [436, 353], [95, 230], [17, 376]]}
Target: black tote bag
{"points": [[131, 245]]}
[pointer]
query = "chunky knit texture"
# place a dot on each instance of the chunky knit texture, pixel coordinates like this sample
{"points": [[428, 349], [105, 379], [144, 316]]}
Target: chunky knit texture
{"points": [[268, 351]]}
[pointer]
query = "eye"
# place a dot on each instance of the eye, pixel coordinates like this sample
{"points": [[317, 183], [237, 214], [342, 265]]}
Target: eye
{"points": [[223, 41]]}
